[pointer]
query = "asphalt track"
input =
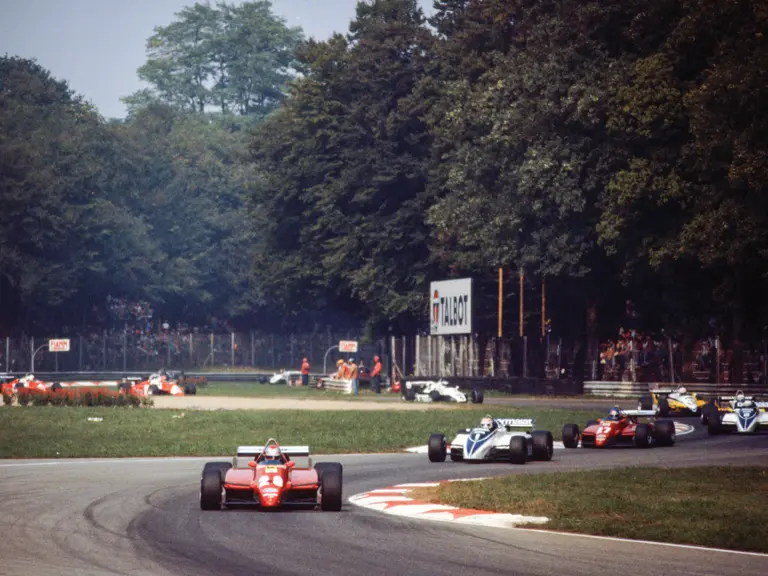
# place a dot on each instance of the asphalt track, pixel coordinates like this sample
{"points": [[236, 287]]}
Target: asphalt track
{"points": [[91, 517]]}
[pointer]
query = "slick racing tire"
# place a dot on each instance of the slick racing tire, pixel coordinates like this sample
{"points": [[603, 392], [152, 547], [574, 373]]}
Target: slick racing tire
{"points": [[477, 396], [518, 451], [543, 445], [664, 409], [154, 389], [436, 448], [321, 467], [409, 394], [55, 387], [571, 436], [643, 436], [664, 433], [708, 411], [330, 487], [124, 387], [645, 403], [714, 426], [190, 389], [212, 484], [435, 395]]}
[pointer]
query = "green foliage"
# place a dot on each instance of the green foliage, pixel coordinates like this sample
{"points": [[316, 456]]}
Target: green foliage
{"points": [[230, 58]]}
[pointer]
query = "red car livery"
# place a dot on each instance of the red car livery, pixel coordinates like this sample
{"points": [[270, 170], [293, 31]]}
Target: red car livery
{"points": [[271, 479], [159, 383], [621, 427]]}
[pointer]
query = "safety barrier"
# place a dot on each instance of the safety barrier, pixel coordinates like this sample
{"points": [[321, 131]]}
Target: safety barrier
{"points": [[252, 377], [339, 385], [636, 389]]}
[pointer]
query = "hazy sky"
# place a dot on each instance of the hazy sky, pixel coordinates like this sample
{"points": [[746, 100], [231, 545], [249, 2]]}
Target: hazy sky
{"points": [[97, 45]]}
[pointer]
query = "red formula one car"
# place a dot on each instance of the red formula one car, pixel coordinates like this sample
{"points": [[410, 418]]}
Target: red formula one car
{"points": [[10, 384], [271, 479], [622, 427], [158, 383]]}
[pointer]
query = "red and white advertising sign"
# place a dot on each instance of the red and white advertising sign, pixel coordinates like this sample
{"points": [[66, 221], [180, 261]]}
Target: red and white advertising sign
{"points": [[59, 345], [348, 346]]}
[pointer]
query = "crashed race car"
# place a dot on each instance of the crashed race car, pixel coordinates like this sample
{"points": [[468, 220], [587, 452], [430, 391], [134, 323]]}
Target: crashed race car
{"points": [[513, 440], [11, 384], [271, 478], [740, 413], [438, 391], [671, 400], [158, 383], [622, 427]]}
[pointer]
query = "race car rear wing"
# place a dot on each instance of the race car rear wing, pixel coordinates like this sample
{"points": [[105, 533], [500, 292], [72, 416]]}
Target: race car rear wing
{"points": [[253, 451], [639, 413], [517, 422]]}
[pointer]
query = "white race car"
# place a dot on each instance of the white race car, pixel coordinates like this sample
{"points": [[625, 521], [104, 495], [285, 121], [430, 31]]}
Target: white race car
{"points": [[740, 413], [513, 440], [285, 377], [438, 391]]}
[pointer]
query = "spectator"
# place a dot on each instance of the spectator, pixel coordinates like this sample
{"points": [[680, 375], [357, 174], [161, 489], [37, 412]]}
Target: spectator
{"points": [[376, 375], [352, 375], [305, 372]]}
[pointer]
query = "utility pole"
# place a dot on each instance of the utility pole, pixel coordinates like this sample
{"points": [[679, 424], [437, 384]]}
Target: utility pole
{"points": [[522, 276], [501, 292]]}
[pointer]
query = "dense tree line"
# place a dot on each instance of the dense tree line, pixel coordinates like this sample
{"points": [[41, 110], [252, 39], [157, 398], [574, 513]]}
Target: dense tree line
{"points": [[615, 149]]}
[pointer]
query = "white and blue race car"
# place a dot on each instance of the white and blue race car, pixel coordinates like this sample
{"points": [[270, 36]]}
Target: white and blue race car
{"points": [[513, 440], [741, 414]]}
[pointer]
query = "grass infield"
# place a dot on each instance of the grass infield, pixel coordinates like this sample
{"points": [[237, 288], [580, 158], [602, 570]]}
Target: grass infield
{"points": [[720, 507], [64, 432]]}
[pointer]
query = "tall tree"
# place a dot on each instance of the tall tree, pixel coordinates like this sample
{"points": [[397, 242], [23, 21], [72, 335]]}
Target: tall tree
{"points": [[230, 58]]}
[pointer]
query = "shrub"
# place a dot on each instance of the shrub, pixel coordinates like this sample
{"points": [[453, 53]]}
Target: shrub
{"points": [[40, 398], [23, 396]]}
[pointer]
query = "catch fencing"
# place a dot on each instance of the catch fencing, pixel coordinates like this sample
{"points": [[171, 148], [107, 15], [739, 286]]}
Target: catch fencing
{"points": [[126, 351]]}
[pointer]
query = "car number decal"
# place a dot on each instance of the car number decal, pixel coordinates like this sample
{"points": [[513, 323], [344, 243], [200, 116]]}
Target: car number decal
{"points": [[271, 470]]}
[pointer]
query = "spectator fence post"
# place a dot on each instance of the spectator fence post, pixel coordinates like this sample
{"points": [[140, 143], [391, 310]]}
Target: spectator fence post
{"points": [[31, 353], [125, 347], [7, 353], [80, 353], [232, 348], [213, 351], [525, 356], [253, 349]]}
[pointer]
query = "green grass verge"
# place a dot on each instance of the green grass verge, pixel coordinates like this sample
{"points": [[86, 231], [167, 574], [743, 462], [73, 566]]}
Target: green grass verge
{"points": [[721, 507], [63, 432], [247, 390]]}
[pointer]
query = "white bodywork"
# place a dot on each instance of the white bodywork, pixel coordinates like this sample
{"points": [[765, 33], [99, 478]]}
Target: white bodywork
{"points": [[484, 444], [284, 376], [747, 416], [426, 389], [686, 398]]}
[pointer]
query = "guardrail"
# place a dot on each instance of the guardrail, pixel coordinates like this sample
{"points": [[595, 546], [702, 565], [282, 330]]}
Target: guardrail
{"points": [[636, 389], [339, 385], [247, 377]]}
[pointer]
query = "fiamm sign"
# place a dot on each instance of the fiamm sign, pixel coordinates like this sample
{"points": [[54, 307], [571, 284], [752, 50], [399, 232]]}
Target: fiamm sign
{"points": [[451, 306]]}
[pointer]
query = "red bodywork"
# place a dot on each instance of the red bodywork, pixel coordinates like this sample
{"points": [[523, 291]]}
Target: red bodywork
{"points": [[9, 388], [271, 485], [610, 432]]}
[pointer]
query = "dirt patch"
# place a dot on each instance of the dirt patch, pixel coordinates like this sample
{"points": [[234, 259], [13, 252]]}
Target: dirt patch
{"points": [[239, 403]]}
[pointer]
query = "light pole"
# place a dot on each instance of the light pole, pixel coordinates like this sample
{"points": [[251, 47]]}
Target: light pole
{"points": [[32, 370], [326, 357]]}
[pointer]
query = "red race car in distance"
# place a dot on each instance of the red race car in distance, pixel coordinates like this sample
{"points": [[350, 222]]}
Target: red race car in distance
{"points": [[271, 479], [622, 427]]}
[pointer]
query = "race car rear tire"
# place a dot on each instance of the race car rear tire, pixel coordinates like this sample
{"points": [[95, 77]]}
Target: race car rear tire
{"points": [[321, 467], [409, 394], [211, 484], [477, 396], [518, 450], [664, 433], [436, 448], [642, 436], [571, 436], [435, 395], [154, 389], [645, 403], [330, 487], [55, 387], [543, 445], [663, 407], [124, 387], [714, 426], [190, 389]]}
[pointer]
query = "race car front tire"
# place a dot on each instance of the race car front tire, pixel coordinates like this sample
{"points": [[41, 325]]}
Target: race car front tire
{"points": [[477, 396], [642, 436], [330, 487], [714, 426], [543, 445], [436, 448], [435, 395], [708, 411], [518, 451], [664, 409], [211, 485], [571, 436], [664, 433]]}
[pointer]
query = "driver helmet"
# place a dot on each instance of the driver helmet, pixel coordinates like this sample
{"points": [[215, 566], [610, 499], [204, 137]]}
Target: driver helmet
{"points": [[486, 422], [339, 362], [614, 414], [682, 390], [740, 396], [272, 452]]}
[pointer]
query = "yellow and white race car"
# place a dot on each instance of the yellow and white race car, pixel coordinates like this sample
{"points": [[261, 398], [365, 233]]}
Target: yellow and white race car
{"points": [[668, 401]]}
